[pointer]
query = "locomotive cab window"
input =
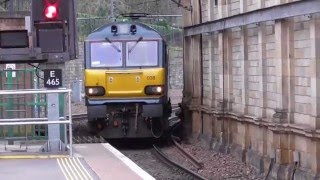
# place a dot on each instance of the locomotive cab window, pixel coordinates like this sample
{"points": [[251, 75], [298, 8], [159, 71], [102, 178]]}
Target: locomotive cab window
{"points": [[143, 53], [104, 54]]}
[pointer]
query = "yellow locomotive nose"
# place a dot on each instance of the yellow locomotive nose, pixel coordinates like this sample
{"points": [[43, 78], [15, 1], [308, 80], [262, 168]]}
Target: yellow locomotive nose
{"points": [[144, 83]]}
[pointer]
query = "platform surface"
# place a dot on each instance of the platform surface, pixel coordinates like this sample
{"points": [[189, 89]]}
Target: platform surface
{"points": [[108, 163], [48, 169], [90, 162]]}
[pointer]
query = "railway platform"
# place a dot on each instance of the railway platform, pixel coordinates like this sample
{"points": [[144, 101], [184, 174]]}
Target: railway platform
{"points": [[89, 162]]}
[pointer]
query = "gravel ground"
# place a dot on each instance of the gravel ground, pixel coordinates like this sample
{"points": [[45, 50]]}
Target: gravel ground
{"points": [[216, 165], [147, 161], [220, 166]]}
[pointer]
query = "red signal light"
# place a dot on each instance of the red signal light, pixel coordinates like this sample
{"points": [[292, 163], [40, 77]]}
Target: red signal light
{"points": [[51, 12]]}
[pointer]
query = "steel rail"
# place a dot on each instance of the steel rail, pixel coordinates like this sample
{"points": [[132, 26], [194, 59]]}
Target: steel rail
{"points": [[194, 174], [194, 161]]}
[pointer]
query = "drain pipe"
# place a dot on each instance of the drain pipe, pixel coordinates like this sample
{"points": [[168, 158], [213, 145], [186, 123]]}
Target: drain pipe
{"points": [[270, 168], [223, 87], [294, 170], [201, 67]]}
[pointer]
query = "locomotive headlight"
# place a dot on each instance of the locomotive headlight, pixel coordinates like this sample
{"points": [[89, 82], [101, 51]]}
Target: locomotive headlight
{"points": [[154, 90], [95, 91], [159, 89]]}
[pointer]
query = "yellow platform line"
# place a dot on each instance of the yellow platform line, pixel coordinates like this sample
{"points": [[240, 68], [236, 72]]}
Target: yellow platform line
{"points": [[79, 170], [65, 168], [64, 171], [84, 169], [71, 169]]}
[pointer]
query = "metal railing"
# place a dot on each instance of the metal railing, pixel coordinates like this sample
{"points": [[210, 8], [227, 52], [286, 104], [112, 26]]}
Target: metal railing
{"points": [[42, 121]]}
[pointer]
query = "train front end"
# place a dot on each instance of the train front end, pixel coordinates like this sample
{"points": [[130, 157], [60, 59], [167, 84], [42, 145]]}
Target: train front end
{"points": [[126, 82]]}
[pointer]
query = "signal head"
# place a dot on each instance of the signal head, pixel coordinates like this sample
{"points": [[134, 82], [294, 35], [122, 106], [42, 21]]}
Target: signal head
{"points": [[51, 11]]}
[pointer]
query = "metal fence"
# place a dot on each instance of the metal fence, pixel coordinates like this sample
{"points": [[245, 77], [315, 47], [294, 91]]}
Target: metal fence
{"points": [[17, 77], [52, 120]]}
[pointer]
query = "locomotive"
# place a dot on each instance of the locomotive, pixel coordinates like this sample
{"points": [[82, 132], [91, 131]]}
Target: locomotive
{"points": [[126, 75]]}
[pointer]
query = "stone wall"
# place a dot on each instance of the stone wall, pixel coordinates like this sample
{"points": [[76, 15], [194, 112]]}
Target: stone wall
{"points": [[175, 68], [260, 96]]}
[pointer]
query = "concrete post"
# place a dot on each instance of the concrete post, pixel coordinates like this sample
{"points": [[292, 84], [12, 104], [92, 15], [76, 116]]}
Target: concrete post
{"points": [[54, 143]]}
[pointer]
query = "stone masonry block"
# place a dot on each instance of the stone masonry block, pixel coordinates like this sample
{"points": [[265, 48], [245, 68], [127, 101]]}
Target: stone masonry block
{"points": [[302, 35], [234, 5], [253, 55], [302, 62], [302, 99], [271, 104], [254, 94], [253, 158], [271, 38], [270, 54], [302, 71], [305, 160], [282, 156], [254, 63], [302, 53], [304, 91], [302, 44], [254, 78], [253, 48]]}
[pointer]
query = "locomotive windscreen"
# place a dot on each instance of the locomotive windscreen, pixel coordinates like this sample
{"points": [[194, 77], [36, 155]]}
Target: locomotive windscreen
{"points": [[104, 54], [144, 53]]}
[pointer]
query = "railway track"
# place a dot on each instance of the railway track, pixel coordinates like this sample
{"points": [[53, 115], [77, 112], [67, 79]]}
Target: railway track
{"points": [[88, 139], [185, 171], [167, 160], [192, 159]]}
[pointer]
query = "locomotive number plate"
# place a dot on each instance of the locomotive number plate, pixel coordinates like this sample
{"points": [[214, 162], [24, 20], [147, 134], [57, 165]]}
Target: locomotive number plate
{"points": [[151, 77]]}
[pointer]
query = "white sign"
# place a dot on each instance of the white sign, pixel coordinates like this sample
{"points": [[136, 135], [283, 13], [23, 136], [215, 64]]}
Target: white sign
{"points": [[52, 78], [11, 67]]}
